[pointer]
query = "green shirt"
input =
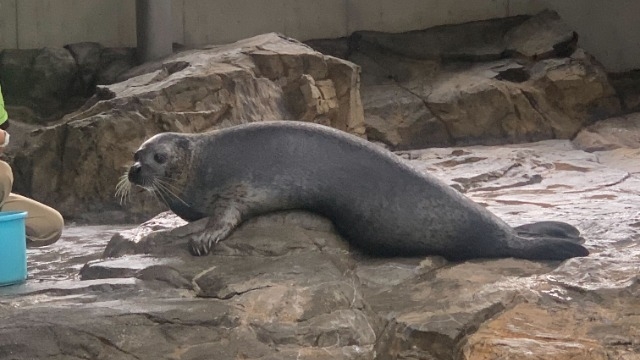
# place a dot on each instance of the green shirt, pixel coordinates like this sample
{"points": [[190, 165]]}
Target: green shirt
{"points": [[3, 113]]}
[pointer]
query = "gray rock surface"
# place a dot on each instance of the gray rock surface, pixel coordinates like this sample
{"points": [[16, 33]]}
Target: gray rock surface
{"points": [[51, 82], [287, 286]]}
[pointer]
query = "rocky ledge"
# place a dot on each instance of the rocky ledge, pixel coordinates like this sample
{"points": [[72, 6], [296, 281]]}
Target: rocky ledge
{"points": [[287, 286], [517, 79]]}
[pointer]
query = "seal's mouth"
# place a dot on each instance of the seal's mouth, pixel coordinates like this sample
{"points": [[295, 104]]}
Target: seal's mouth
{"points": [[163, 187], [136, 177]]}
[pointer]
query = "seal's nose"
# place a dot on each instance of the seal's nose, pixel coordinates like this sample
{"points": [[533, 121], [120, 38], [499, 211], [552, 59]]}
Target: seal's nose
{"points": [[134, 173]]}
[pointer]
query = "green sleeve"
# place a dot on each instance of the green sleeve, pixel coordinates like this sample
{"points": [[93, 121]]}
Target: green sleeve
{"points": [[3, 113]]}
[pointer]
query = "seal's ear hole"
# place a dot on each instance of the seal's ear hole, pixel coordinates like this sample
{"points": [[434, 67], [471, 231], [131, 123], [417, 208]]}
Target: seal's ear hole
{"points": [[160, 158]]}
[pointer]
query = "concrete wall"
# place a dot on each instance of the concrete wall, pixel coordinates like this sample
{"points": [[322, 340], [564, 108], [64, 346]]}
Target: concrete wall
{"points": [[37, 23], [609, 29]]}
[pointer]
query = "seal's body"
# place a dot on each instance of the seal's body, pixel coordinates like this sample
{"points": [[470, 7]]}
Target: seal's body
{"points": [[379, 203]]}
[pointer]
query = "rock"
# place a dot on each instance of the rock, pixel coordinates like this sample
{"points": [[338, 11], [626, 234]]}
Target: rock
{"points": [[16, 75], [51, 82], [402, 120], [55, 71], [113, 63], [627, 85], [578, 86], [474, 41], [87, 56], [542, 36], [489, 82], [477, 108], [267, 77], [287, 286], [610, 134]]}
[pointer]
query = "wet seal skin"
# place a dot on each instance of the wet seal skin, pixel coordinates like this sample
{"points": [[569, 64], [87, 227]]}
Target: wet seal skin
{"points": [[377, 202]]}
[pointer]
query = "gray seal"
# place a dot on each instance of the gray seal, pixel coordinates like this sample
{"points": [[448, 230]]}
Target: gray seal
{"points": [[376, 201]]}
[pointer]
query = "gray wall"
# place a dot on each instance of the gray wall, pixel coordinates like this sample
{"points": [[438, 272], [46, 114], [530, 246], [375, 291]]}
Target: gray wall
{"points": [[609, 29]]}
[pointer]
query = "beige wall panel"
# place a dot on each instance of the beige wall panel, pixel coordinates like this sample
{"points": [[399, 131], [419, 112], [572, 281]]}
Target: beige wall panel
{"points": [[405, 15], [177, 7], [60, 22], [610, 30], [223, 21], [310, 19], [523, 7], [8, 35]]}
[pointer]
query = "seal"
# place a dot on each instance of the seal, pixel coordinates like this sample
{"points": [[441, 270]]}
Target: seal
{"points": [[376, 201]]}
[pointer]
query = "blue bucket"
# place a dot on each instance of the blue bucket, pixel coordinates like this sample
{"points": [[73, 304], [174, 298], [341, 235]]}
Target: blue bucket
{"points": [[13, 247]]}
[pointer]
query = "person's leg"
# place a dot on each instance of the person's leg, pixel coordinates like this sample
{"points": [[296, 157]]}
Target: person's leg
{"points": [[43, 224], [6, 182]]}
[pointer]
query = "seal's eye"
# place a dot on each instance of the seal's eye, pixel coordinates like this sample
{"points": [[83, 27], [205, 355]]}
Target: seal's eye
{"points": [[160, 158]]}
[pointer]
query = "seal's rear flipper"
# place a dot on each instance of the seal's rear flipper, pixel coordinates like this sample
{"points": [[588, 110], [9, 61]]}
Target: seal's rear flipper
{"points": [[547, 248], [554, 229]]}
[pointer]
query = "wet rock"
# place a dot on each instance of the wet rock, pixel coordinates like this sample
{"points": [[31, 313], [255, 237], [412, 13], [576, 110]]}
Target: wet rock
{"points": [[263, 78], [123, 267], [287, 286], [610, 134], [165, 274]]}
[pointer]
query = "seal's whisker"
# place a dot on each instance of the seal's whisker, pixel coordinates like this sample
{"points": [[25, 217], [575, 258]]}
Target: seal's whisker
{"points": [[160, 193], [165, 187], [123, 189], [169, 182]]}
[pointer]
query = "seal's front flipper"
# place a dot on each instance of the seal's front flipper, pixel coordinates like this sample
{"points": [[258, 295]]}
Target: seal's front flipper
{"points": [[190, 228], [219, 226], [553, 229]]}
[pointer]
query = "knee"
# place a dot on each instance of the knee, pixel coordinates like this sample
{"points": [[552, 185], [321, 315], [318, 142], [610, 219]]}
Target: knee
{"points": [[47, 231], [56, 225], [6, 180]]}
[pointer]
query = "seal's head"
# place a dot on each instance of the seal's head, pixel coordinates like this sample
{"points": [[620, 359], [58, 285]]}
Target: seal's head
{"points": [[159, 166]]}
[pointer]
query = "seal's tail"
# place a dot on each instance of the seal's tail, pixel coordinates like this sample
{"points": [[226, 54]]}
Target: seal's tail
{"points": [[548, 240]]}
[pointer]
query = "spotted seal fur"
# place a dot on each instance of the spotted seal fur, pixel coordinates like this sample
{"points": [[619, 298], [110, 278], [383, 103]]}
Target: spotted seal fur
{"points": [[378, 202]]}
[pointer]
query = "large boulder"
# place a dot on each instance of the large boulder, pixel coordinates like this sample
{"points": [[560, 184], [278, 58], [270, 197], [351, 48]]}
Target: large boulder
{"points": [[51, 82], [610, 134], [76, 164], [487, 82]]}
